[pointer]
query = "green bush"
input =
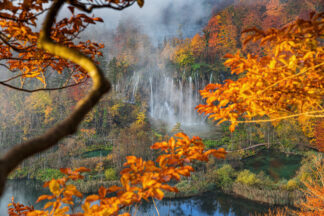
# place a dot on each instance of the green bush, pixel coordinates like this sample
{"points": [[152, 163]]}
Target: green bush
{"points": [[48, 174], [224, 176], [292, 184], [19, 173], [248, 178], [308, 167], [265, 180], [111, 174]]}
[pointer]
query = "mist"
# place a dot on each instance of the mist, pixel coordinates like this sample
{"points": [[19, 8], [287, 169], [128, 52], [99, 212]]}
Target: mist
{"points": [[162, 19]]}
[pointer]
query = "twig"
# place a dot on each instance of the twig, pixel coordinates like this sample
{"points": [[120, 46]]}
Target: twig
{"points": [[155, 207]]}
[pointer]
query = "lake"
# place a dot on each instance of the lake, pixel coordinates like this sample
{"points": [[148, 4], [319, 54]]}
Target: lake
{"points": [[209, 204]]}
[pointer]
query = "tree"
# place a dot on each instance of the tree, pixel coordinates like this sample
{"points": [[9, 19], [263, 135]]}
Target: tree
{"points": [[286, 81], [31, 52]]}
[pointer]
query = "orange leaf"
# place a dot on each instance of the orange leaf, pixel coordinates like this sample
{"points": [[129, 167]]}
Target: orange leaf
{"points": [[92, 198]]}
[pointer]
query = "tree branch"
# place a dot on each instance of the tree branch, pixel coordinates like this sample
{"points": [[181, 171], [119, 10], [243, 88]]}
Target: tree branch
{"points": [[39, 89], [70, 124], [115, 6], [311, 114]]}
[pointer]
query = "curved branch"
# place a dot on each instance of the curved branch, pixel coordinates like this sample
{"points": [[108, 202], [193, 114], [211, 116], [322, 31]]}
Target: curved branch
{"points": [[311, 114], [39, 89], [7, 67], [69, 125], [115, 6]]}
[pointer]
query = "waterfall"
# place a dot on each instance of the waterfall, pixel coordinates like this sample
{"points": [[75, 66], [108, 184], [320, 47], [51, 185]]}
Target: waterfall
{"points": [[151, 98], [171, 97], [174, 100], [135, 79]]}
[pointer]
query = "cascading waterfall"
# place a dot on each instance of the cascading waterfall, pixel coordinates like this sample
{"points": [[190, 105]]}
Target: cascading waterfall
{"points": [[174, 101], [171, 98], [151, 97], [135, 79]]}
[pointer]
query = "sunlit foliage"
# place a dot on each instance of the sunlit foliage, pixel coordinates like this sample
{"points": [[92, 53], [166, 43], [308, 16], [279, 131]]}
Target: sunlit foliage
{"points": [[19, 36], [286, 81]]}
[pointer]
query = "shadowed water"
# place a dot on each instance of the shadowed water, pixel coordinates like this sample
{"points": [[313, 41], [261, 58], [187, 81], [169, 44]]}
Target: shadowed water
{"points": [[213, 203]]}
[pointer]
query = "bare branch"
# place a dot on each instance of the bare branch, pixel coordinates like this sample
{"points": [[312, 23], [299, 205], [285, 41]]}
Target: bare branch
{"points": [[311, 114], [22, 20], [8, 68], [39, 89], [89, 7]]}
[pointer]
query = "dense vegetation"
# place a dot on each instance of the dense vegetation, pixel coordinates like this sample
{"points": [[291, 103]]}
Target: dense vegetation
{"points": [[128, 120]]}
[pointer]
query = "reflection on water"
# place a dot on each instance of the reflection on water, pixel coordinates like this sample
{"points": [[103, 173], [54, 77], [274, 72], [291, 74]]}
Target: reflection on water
{"points": [[213, 203], [209, 204], [24, 191]]}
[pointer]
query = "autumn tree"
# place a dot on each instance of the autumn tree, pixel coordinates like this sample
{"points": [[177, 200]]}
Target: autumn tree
{"points": [[286, 81], [29, 53]]}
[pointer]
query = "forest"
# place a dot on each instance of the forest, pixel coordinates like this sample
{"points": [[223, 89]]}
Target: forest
{"points": [[218, 113]]}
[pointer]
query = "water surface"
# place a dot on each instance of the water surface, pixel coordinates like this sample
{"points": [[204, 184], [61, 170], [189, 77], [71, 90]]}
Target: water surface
{"points": [[208, 204]]}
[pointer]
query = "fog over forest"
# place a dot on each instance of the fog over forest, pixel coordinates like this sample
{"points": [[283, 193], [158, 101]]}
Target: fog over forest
{"points": [[161, 19]]}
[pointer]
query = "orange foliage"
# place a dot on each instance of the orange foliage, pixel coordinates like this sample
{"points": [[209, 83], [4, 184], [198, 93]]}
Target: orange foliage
{"points": [[197, 44], [19, 36], [319, 134], [287, 82], [274, 212], [314, 203], [139, 180]]}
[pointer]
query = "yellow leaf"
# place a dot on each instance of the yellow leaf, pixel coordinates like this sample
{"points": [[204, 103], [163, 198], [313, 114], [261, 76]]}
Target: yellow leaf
{"points": [[48, 204], [54, 187], [159, 194]]}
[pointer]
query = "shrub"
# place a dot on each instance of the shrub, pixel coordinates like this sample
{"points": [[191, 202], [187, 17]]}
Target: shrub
{"points": [[110, 174], [309, 165], [248, 178], [292, 184], [19, 173], [265, 180], [225, 176], [48, 174], [90, 163]]}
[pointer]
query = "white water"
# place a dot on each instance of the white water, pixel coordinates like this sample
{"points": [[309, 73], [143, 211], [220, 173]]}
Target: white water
{"points": [[174, 102]]}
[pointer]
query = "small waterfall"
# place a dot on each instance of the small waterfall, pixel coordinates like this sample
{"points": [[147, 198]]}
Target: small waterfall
{"points": [[151, 98], [190, 100], [135, 80]]}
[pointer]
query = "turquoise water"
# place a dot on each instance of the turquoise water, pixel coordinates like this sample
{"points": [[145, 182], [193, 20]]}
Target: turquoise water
{"points": [[275, 164]]}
